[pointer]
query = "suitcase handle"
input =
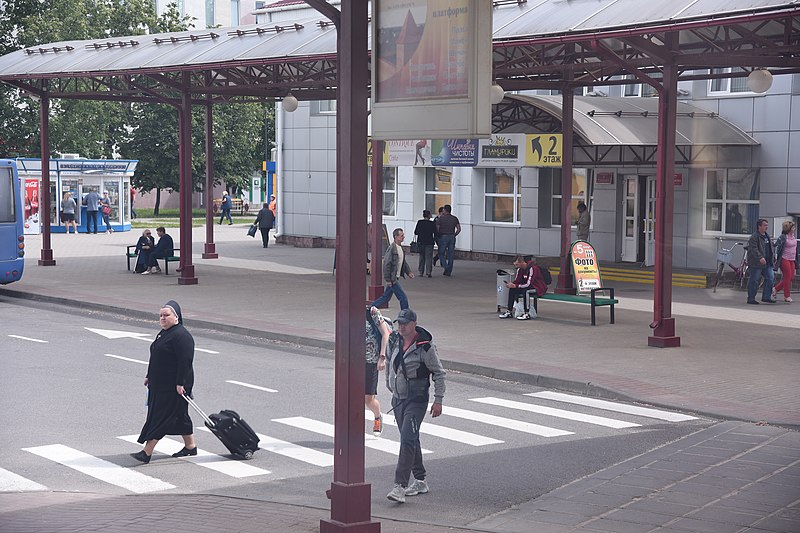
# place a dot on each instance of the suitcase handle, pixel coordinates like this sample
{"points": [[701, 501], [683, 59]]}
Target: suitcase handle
{"points": [[208, 421]]}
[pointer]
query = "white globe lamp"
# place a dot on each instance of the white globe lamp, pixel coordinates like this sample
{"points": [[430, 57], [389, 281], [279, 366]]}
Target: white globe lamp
{"points": [[290, 103], [497, 94], [759, 80]]}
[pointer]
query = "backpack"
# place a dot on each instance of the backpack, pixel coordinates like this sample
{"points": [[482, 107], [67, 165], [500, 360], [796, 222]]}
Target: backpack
{"points": [[546, 275]]}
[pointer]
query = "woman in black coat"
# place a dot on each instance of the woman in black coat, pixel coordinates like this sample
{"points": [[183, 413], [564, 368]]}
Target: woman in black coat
{"points": [[144, 246], [169, 377]]}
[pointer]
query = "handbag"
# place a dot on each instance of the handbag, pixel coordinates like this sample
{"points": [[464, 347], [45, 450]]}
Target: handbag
{"points": [[106, 210], [414, 247], [251, 231]]}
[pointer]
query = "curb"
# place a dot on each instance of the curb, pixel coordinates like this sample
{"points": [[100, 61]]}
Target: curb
{"points": [[550, 382]]}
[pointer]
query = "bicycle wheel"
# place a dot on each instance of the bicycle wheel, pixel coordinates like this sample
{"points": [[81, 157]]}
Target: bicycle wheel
{"points": [[744, 272], [720, 269]]}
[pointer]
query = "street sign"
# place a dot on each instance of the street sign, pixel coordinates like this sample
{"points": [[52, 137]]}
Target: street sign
{"points": [[543, 150]]}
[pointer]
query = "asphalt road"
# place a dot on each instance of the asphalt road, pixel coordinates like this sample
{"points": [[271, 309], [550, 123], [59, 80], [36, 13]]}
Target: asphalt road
{"points": [[74, 400]]}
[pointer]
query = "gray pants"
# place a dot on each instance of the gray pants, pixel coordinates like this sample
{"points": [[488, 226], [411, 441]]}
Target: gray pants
{"points": [[409, 417], [425, 259]]}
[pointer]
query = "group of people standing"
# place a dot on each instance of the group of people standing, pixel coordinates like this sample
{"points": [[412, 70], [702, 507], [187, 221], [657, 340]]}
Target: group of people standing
{"points": [[94, 205]]}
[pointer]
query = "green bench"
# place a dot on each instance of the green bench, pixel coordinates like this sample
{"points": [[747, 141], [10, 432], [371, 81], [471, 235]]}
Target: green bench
{"points": [[131, 253], [592, 299]]}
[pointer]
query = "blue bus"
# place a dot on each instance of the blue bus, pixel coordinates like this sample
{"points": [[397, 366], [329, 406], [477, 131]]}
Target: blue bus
{"points": [[12, 239]]}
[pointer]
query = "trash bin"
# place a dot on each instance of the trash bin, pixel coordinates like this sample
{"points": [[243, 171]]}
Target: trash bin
{"points": [[502, 290]]}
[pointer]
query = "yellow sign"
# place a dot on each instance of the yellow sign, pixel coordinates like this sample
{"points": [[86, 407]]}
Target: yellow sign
{"points": [[543, 150], [585, 266]]}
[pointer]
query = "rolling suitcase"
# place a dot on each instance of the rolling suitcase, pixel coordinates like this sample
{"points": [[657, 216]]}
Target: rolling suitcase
{"points": [[231, 430]]}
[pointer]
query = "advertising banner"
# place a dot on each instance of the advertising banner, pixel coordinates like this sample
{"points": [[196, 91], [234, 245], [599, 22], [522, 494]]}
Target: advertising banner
{"points": [[454, 152], [502, 150], [585, 267], [413, 153], [543, 150], [31, 201]]}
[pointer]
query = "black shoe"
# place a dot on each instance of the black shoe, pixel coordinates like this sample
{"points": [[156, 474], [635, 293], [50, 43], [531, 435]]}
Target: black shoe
{"points": [[429, 275], [141, 456], [446, 273], [752, 302], [769, 301], [185, 451]]}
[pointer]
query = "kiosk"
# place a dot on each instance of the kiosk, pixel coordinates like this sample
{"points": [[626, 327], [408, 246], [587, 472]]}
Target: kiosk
{"points": [[78, 176]]}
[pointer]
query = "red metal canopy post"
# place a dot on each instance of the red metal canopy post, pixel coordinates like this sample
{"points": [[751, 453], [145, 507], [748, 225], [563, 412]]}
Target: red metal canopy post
{"points": [[185, 164], [564, 283], [46, 258], [209, 251]]}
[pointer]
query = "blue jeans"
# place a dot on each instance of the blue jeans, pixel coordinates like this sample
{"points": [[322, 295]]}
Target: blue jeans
{"points": [[447, 251], [91, 219], [755, 277], [388, 291], [409, 416]]}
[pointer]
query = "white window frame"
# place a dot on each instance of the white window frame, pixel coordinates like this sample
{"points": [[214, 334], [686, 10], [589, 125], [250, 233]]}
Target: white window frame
{"points": [[725, 89], [586, 197], [428, 192], [389, 195], [324, 107], [515, 195], [724, 201]]}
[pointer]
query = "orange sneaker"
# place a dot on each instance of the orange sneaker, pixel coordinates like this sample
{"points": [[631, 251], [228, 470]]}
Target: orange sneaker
{"points": [[377, 426]]}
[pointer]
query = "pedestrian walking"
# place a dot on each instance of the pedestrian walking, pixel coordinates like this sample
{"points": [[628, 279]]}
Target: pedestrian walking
{"points": [[377, 342], [265, 221], [760, 261], [438, 255], [411, 363], [225, 207], [394, 266], [788, 260], [133, 199], [105, 210], [448, 228], [91, 201], [170, 375], [426, 238]]}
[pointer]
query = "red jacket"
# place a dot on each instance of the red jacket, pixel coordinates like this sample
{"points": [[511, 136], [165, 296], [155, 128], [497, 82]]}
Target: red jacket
{"points": [[537, 281]]}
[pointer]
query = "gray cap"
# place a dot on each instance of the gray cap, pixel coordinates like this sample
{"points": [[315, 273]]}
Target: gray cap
{"points": [[405, 316]]}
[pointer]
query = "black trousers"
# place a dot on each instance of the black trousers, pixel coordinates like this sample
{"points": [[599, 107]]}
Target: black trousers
{"points": [[264, 236], [516, 292], [409, 416]]}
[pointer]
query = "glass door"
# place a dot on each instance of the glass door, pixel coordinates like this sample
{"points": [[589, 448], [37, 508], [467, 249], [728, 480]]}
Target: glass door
{"points": [[650, 223], [630, 219]]}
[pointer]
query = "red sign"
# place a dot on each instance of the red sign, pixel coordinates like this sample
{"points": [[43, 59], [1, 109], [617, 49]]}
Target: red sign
{"points": [[604, 178], [678, 179], [584, 266]]}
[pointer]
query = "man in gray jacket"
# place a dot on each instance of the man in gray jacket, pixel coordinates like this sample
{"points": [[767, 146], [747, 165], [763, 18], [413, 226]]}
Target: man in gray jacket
{"points": [[412, 362], [759, 262], [394, 266]]}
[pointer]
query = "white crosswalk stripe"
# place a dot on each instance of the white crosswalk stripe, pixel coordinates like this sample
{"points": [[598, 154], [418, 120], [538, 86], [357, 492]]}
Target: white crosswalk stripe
{"points": [[324, 428], [11, 482], [218, 463], [559, 413], [289, 449], [612, 406], [507, 423], [442, 432], [100, 469]]}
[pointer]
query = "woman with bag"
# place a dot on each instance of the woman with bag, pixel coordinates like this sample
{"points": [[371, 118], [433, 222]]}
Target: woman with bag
{"points": [[265, 220], [788, 260], [425, 232], [169, 376], [105, 210]]}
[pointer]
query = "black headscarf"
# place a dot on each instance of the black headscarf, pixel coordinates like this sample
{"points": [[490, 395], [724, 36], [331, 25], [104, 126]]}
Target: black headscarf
{"points": [[172, 304]]}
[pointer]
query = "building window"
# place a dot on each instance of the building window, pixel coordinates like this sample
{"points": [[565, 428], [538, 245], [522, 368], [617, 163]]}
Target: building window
{"points": [[637, 89], [438, 188], [503, 196], [210, 14], [235, 18], [727, 85], [580, 192], [731, 202], [324, 107], [389, 191]]}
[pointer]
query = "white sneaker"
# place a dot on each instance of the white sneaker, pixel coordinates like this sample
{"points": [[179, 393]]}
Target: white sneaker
{"points": [[419, 486], [525, 316], [397, 494], [507, 314]]}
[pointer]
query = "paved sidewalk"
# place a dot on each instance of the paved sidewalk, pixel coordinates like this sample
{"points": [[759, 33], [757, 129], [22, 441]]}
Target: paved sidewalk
{"points": [[736, 361]]}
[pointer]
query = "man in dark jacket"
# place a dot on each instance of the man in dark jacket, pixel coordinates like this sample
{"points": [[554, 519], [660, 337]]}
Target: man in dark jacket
{"points": [[426, 238], [265, 221], [225, 206], [411, 363], [164, 248], [394, 266], [760, 260]]}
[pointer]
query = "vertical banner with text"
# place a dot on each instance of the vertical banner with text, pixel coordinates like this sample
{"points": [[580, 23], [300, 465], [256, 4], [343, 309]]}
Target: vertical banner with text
{"points": [[584, 266]]}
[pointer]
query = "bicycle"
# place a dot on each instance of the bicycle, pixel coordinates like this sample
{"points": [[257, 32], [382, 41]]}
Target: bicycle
{"points": [[724, 257]]}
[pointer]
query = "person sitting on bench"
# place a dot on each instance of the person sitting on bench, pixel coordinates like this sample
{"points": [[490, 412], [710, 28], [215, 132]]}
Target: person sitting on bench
{"points": [[528, 277], [164, 248]]}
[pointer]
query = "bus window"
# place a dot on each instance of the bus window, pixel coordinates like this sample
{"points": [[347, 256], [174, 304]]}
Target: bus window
{"points": [[7, 203]]}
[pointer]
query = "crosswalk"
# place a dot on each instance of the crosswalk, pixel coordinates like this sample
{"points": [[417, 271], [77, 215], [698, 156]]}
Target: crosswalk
{"points": [[528, 418]]}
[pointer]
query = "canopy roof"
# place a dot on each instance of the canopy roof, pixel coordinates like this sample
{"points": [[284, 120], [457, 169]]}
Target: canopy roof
{"points": [[538, 43], [634, 122]]}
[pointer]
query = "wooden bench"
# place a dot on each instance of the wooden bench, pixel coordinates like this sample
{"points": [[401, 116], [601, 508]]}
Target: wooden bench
{"points": [[592, 300], [131, 253]]}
